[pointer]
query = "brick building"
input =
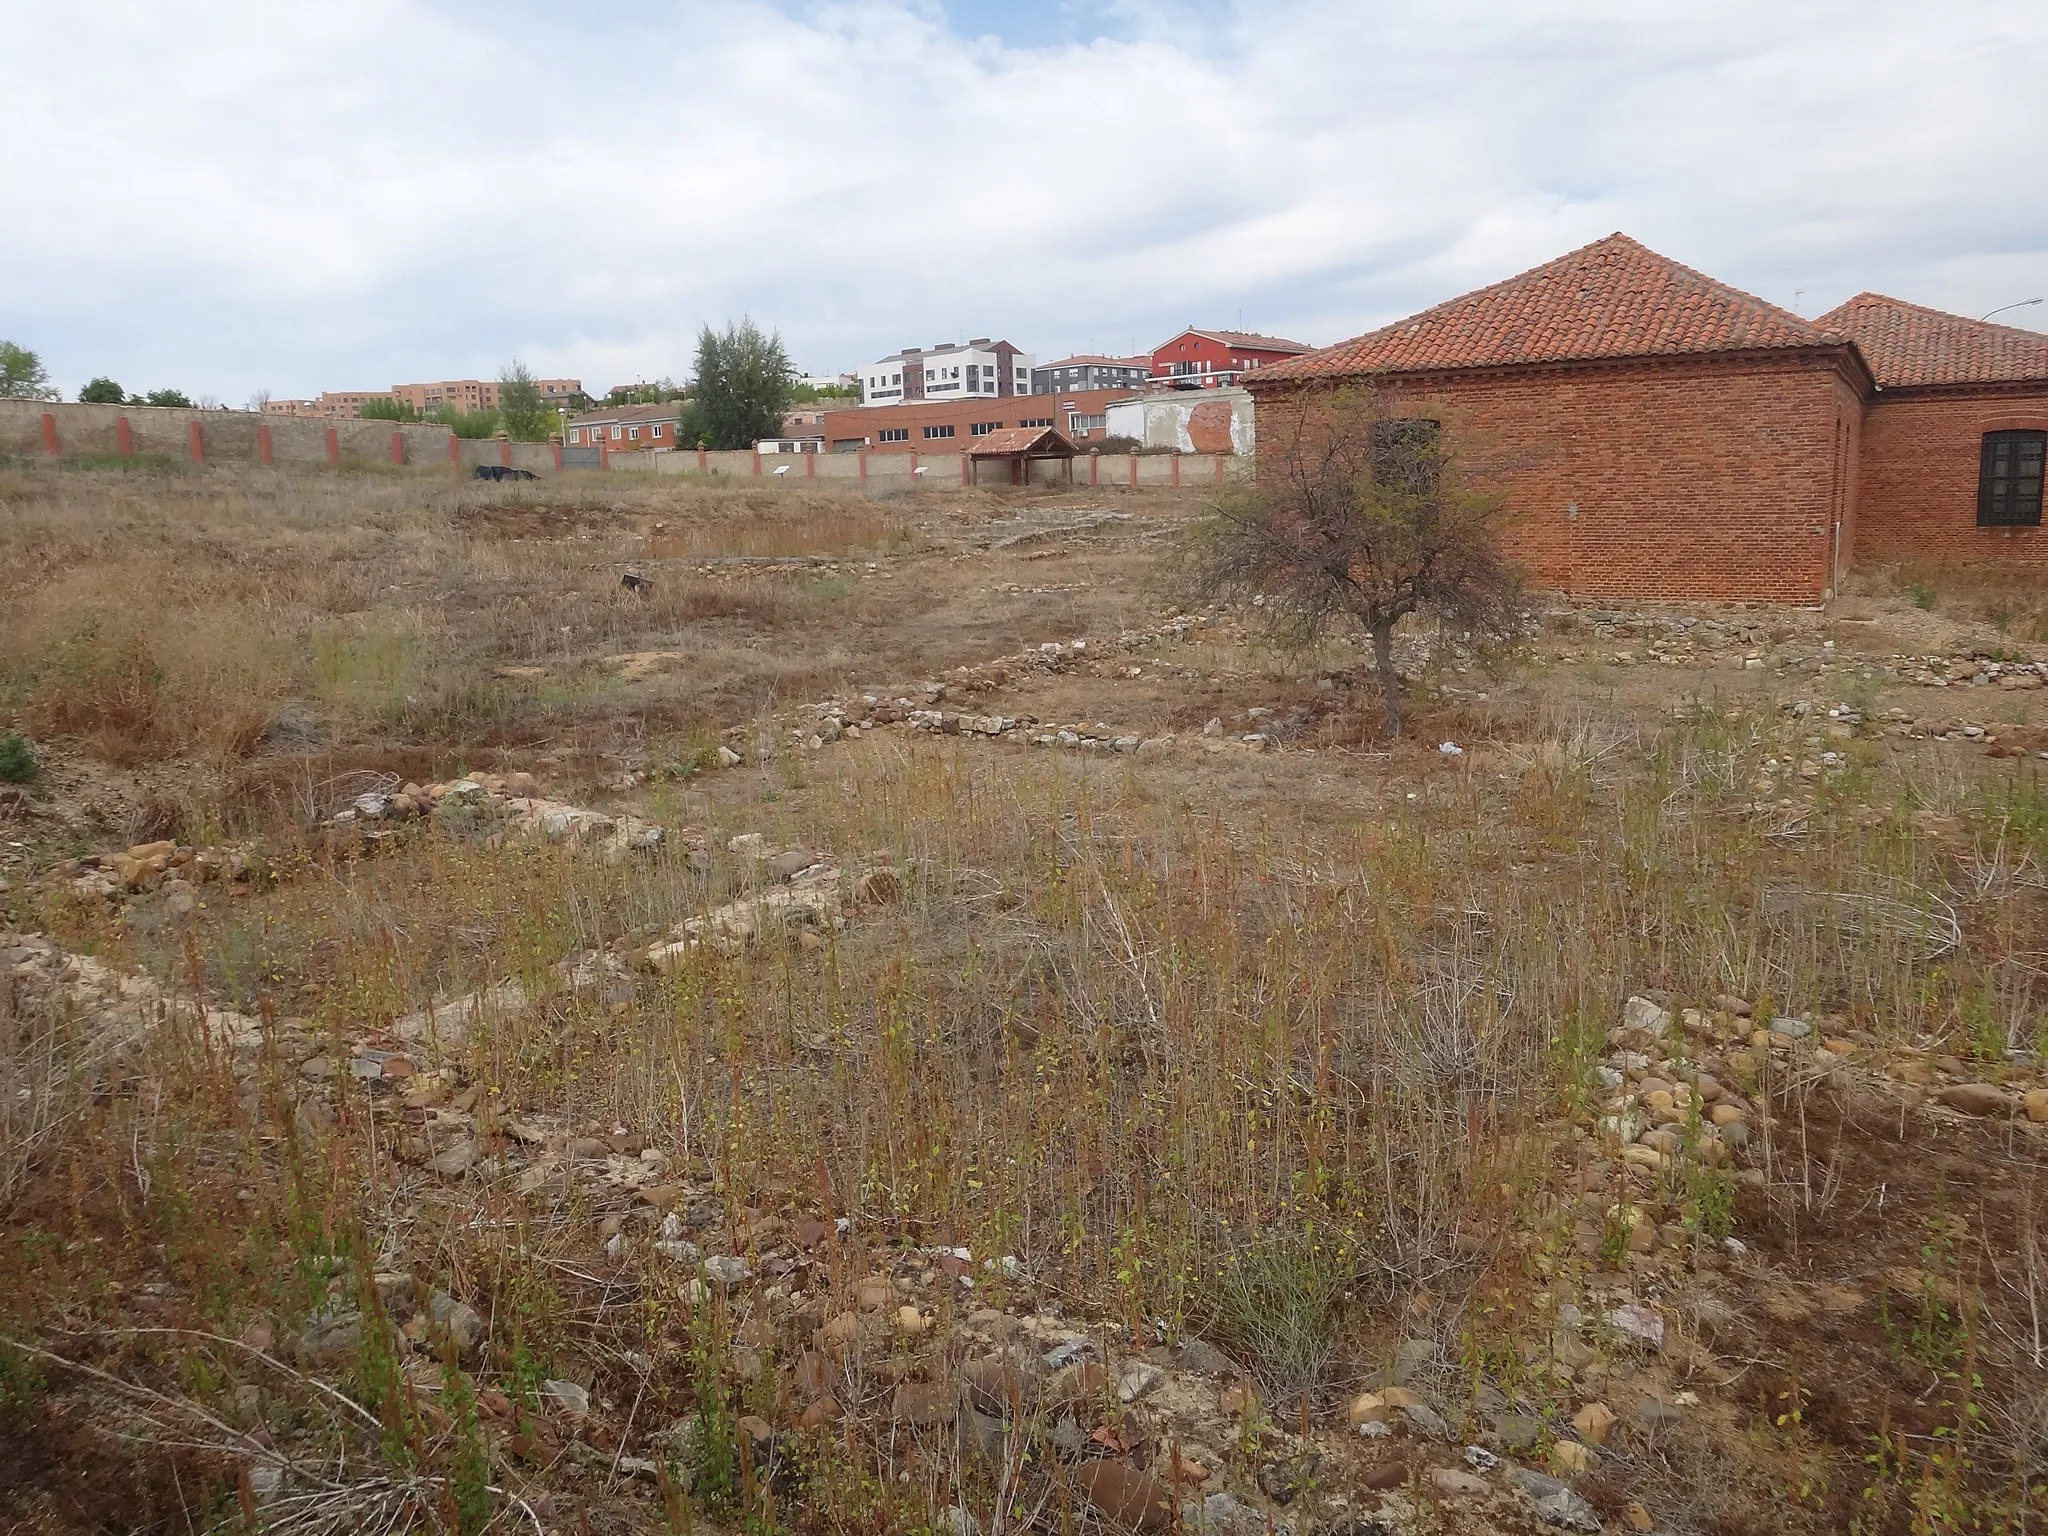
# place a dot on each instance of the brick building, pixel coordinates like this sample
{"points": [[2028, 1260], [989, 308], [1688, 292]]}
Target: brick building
{"points": [[1661, 435], [467, 395], [936, 426], [626, 428], [1213, 359], [1951, 455]]}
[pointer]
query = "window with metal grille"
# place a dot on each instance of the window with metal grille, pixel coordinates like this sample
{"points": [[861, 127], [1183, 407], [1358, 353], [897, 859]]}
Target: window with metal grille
{"points": [[2009, 480]]}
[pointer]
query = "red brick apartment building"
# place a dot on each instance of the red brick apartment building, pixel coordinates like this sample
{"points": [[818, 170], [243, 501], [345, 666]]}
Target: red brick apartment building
{"points": [[1661, 435], [467, 395], [1213, 359], [626, 428], [930, 426]]}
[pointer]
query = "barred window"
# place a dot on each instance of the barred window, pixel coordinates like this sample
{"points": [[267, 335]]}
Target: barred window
{"points": [[2009, 480]]}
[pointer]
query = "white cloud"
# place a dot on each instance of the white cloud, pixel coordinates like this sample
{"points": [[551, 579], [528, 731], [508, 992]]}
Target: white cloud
{"points": [[226, 196]]}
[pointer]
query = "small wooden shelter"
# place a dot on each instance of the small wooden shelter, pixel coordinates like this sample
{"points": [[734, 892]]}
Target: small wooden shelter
{"points": [[1018, 448]]}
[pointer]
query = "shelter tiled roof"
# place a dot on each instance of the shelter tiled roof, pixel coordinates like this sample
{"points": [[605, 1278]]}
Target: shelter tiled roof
{"points": [[1008, 440], [1908, 344], [1614, 298]]}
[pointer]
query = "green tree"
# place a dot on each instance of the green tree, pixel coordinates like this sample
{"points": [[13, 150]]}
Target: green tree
{"points": [[527, 416], [389, 408], [467, 424], [742, 387], [176, 397], [102, 391], [22, 376], [1358, 516]]}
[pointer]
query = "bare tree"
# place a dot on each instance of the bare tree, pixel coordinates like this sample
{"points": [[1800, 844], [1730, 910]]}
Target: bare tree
{"points": [[1357, 516]]}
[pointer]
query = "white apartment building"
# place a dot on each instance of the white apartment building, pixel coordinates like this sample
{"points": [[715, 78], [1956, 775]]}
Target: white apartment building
{"points": [[959, 371]]}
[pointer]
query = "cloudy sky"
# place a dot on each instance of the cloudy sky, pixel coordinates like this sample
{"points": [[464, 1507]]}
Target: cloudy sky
{"points": [[295, 197]]}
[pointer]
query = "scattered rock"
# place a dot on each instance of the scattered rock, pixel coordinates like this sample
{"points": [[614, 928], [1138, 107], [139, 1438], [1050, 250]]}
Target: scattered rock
{"points": [[459, 1321], [332, 1341], [1639, 1323], [1594, 1422], [724, 1269], [1459, 1484], [1130, 1497], [1205, 1359], [926, 1404], [1286, 1480], [1570, 1457], [1975, 1099], [1556, 1503], [572, 1399], [457, 1160]]}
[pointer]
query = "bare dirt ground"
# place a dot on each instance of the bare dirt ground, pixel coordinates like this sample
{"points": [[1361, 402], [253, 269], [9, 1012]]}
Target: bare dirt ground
{"points": [[633, 1007]]}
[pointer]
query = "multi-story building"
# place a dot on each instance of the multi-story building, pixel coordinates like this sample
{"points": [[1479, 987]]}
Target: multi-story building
{"points": [[964, 370], [951, 426], [1087, 371], [627, 428], [467, 395], [1213, 359]]}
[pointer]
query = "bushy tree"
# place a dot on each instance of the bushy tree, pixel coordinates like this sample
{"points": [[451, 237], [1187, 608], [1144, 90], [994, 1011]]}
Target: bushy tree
{"points": [[527, 416], [389, 408], [22, 376], [174, 397], [102, 391], [1359, 516], [742, 387], [466, 424]]}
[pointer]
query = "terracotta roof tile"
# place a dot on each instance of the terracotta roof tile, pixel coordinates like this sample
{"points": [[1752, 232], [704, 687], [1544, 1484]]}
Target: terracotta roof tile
{"points": [[1613, 298], [1006, 440], [1251, 341], [1907, 344]]}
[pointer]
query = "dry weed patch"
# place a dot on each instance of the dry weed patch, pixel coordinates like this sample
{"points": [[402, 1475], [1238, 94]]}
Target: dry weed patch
{"points": [[1611, 1123]]}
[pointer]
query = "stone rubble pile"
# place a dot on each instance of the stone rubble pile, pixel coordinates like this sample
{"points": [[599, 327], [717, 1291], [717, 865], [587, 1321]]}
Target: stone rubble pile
{"points": [[499, 807], [175, 871]]}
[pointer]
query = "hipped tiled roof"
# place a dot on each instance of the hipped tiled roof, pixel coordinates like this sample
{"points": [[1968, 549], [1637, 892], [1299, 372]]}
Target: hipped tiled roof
{"points": [[1614, 298], [1909, 344]]}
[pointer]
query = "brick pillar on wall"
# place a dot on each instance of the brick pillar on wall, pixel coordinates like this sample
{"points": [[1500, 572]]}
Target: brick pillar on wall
{"points": [[1094, 464], [703, 459], [124, 438], [1176, 471], [555, 448], [863, 466], [810, 466], [1134, 469], [965, 461], [1219, 466], [195, 435], [397, 446], [263, 442], [454, 450], [333, 446], [505, 449], [604, 452], [757, 463], [50, 433]]}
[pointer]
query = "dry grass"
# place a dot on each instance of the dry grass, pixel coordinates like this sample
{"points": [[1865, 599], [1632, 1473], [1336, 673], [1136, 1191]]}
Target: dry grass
{"points": [[1289, 1052]]}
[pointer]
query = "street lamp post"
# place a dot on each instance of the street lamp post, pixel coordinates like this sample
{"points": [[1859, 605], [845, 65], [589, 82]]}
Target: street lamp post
{"points": [[2017, 304]]}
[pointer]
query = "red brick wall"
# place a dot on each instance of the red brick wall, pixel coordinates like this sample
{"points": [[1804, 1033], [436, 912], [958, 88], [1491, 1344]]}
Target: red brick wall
{"points": [[867, 421], [1706, 480], [1918, 493]]}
